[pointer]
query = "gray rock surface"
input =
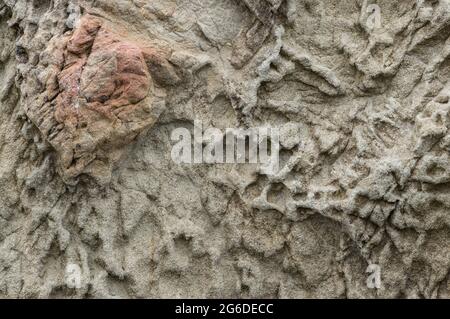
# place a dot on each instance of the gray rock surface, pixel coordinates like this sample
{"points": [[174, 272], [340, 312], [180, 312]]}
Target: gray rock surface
{"points": [[359, 89]]}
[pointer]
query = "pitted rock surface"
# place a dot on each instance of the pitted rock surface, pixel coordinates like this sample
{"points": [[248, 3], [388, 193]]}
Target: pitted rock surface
{"points": [[91, 92]]}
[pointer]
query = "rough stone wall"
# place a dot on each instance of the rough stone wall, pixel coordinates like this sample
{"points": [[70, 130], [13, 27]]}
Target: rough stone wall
{"points": [[90, 92]]}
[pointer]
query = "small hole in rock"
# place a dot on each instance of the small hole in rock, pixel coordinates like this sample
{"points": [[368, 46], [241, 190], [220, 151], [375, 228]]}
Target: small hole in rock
{"points": [[21, 54]]}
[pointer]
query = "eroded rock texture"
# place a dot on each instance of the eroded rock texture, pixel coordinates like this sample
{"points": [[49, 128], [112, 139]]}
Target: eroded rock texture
{"points": [[98, 97], [90, 92]]}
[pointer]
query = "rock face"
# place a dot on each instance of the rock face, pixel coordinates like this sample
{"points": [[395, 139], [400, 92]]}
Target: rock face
{"points": [[92, 204]]}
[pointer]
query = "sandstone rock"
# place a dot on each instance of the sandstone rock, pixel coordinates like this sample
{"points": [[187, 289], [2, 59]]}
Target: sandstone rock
{"points": [[104, 97], [91, 92]]}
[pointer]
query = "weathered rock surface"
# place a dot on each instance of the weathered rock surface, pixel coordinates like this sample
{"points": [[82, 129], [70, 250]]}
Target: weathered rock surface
{"points": [[99, 96], [90, 92]]}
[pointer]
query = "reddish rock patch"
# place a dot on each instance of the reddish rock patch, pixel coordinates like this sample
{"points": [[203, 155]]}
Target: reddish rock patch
{"points": [[104, 99]]}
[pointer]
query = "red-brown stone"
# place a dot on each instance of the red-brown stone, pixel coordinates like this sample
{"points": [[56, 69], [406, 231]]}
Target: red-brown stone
{"points": [[104, 98]]}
